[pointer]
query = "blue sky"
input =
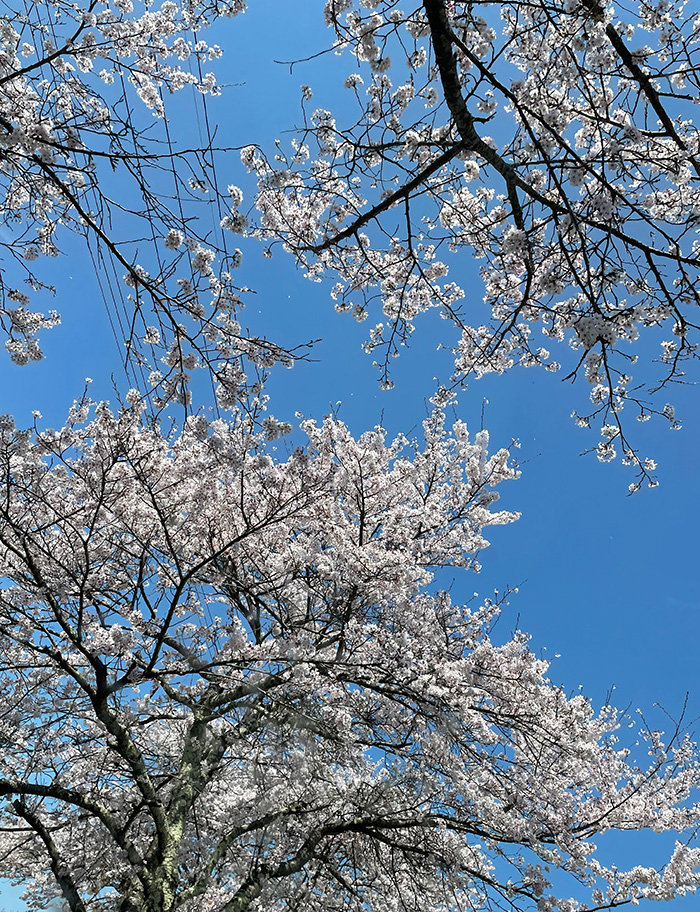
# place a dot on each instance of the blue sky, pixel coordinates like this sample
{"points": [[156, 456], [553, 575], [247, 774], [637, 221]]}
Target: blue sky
{"points": [[606, 581]]}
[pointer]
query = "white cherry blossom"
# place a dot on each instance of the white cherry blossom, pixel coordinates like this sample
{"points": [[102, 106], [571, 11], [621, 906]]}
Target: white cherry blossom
{"points": [[557, 145], [232, 683]]}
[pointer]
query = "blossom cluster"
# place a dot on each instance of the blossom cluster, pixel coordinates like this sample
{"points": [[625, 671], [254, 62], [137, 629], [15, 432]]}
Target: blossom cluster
{"points": [[583, 214], [76, 106], [215, 644]]}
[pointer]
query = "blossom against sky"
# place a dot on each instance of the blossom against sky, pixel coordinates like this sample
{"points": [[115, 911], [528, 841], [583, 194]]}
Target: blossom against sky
{"points": [[606, 581]]}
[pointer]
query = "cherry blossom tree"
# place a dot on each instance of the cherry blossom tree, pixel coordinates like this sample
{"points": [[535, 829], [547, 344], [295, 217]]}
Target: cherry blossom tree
{"points": [[548, 141], [555, 142], [86, 147], [232, 679], [230, 682]]}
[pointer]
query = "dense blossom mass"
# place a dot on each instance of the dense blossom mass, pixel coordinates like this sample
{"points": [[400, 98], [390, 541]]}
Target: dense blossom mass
{"points": [[231, 676], [230, 682]]}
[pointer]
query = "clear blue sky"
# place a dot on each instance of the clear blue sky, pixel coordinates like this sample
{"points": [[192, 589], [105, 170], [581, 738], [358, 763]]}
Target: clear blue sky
{"points": [[607, 581]]}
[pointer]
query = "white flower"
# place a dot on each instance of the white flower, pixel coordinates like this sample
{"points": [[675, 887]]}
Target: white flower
{"points": [[237, 222], [595, 327], [173, 239], [273, 429], [202, 260], [381, 64], [235, 195]]}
